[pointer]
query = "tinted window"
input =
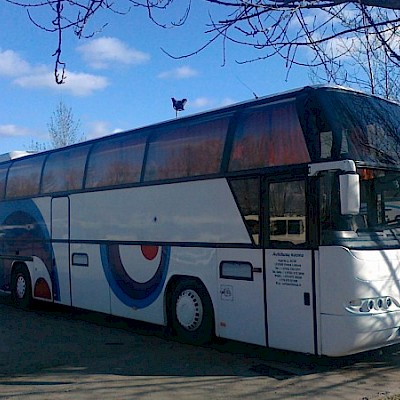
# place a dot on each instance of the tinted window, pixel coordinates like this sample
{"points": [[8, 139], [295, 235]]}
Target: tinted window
{"points": [[287, 213], [362, 127], [3, 176], [116, 162], [269, 137], [24, 177], [64, 170], [247, 195], [187, 151]]}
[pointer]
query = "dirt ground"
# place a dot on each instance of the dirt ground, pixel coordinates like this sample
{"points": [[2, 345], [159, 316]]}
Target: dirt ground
{"points": [[56, 353]]}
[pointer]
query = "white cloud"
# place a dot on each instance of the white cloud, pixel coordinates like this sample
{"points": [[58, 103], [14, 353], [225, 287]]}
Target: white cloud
{"points": [[77, 84], [227, 102], [11, 130], [206, 102], [100, 128], [81, 84], [12, 64], [178, 73], [25, 75], [97, 129], [202, 102], [103, 52]]}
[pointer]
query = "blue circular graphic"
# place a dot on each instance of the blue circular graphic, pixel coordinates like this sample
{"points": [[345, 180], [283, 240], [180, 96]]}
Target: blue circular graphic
{"points": [[130, 292], [24, 233]]}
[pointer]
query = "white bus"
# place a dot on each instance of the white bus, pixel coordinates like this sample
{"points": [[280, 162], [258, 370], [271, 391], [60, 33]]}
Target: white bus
{"points": [[177, 224]]}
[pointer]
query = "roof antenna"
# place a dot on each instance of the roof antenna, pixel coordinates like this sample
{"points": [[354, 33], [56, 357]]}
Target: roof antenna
{"points": [[252, 91], [179, 105]]}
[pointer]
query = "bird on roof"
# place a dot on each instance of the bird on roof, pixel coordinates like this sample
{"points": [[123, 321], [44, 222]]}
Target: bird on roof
{"points": [[179, 105]]}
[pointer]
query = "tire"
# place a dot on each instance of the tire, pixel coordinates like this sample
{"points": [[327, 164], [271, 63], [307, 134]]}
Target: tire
{"points": [[21, 287], [191, 312]]}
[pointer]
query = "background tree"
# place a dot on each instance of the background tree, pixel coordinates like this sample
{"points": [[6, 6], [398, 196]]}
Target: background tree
{"points": [[63, 129], [37, 146], [273, 27], [365, 66]]}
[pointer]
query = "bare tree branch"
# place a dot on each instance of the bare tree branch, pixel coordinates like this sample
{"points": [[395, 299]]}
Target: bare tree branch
{"points": [[272, 27], [366, 66]]}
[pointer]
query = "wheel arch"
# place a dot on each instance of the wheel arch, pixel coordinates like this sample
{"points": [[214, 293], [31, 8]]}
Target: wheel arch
{"points": [[16, 264]]}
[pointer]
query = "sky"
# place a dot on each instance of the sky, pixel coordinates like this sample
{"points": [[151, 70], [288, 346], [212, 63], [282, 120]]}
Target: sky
{"points": [[120, 78]]}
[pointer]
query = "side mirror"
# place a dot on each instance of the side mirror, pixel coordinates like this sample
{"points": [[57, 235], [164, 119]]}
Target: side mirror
{"points": [[349, 194]]}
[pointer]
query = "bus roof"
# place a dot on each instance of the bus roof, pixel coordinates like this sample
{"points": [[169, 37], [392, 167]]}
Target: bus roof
{"points": [[15, 154]]}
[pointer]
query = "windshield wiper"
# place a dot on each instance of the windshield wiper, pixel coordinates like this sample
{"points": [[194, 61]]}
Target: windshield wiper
{"points": [[388, 225], [385, 157]]}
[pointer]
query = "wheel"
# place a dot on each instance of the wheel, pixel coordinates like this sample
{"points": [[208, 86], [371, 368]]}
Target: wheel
{"points": [[21, 288], [191, 312]]}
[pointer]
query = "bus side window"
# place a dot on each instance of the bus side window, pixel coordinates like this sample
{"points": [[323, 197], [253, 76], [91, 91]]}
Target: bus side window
{"points": [[186, 151], [64, 170], [247, 196], [3, 176], [268, 137], [24, 177], [116, 162], [287, 213]]}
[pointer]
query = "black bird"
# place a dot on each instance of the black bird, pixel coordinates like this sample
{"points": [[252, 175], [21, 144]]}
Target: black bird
{"points": [[179, 105]]}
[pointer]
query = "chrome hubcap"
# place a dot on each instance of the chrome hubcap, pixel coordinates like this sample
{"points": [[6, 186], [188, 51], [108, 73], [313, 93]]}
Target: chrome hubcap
{"points": [[20, 287], [189, 310]]}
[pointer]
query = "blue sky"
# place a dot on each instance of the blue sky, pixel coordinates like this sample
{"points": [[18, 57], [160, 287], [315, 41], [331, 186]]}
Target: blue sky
{"points": [[120, 78]]}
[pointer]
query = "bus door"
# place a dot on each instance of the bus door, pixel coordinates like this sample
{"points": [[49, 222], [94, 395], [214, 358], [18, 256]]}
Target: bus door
{"points": [[241, 294], [80, 275], [241, 312], [60, 234], [288, 267]]}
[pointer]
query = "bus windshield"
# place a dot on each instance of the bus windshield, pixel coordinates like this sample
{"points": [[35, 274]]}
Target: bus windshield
{"points": [[358, 127], [380, 199], [377, 224]]}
